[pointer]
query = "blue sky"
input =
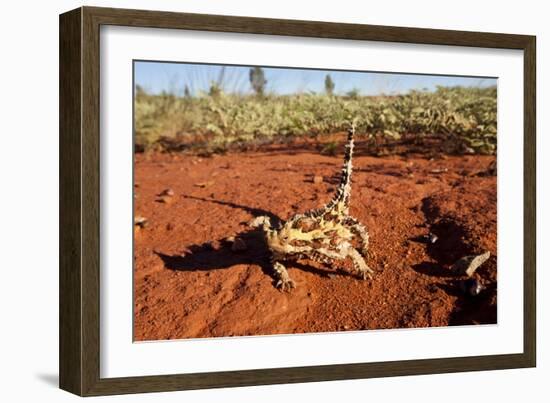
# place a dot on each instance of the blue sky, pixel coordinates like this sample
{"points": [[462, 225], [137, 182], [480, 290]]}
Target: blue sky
{"points": [[155, 77]]}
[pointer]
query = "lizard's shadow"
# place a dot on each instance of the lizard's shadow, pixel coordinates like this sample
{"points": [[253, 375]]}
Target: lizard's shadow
{"points": [[256, 212], [218, 255]]}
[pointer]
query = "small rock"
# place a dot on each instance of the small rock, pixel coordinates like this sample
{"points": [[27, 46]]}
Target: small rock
{"points": [[166, 192], [438, 171], [239, 245], [432, 238], [170, 226], [469, 264], [140, 222], [471, 287], [317, 179]]}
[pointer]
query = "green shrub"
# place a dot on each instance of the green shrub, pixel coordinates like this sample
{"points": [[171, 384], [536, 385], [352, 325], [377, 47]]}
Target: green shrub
{"points": [[465, 118]]}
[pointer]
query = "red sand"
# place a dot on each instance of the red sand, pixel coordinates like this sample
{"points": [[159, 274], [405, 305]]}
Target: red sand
{"points": [[189, 283]]}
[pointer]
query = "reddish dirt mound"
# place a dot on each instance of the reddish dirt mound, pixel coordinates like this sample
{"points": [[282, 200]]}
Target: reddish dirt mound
{"points": [[188, 281]]}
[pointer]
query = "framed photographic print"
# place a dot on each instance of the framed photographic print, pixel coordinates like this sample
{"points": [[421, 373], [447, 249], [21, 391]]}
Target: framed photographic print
{"points": [[251, 201]]}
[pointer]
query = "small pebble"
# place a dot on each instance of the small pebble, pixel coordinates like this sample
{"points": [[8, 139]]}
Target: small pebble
{"points": [[317, 179], [430, 238], [140, 221], [471, 287], [167, 192]]}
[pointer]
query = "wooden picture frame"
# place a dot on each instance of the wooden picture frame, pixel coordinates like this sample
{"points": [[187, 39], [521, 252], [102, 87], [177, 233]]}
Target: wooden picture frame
{"points": [[79, 200]]}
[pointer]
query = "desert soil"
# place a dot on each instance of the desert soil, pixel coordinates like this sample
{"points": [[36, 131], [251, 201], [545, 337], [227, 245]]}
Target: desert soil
{"points": [[190, 283]]}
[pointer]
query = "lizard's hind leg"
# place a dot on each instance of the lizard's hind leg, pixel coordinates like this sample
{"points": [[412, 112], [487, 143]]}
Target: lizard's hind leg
{"points": [[283, 280], [360, 232]]}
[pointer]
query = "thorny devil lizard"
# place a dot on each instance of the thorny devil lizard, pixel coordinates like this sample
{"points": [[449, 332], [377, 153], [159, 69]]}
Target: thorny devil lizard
{"points": [[324, 235]]}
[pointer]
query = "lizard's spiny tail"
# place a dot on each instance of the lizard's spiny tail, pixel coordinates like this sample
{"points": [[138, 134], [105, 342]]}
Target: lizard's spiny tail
{"points": [[342, 198]]}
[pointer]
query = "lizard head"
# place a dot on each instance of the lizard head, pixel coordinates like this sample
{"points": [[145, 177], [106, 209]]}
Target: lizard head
{"points": [[278, 241]]}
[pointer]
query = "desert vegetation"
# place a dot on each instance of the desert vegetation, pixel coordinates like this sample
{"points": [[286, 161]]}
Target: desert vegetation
{"points": [[463, 119]]}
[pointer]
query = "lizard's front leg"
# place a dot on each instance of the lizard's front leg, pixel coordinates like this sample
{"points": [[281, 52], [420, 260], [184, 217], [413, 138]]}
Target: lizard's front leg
{"points": [[284, 282], [359, 231]]}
